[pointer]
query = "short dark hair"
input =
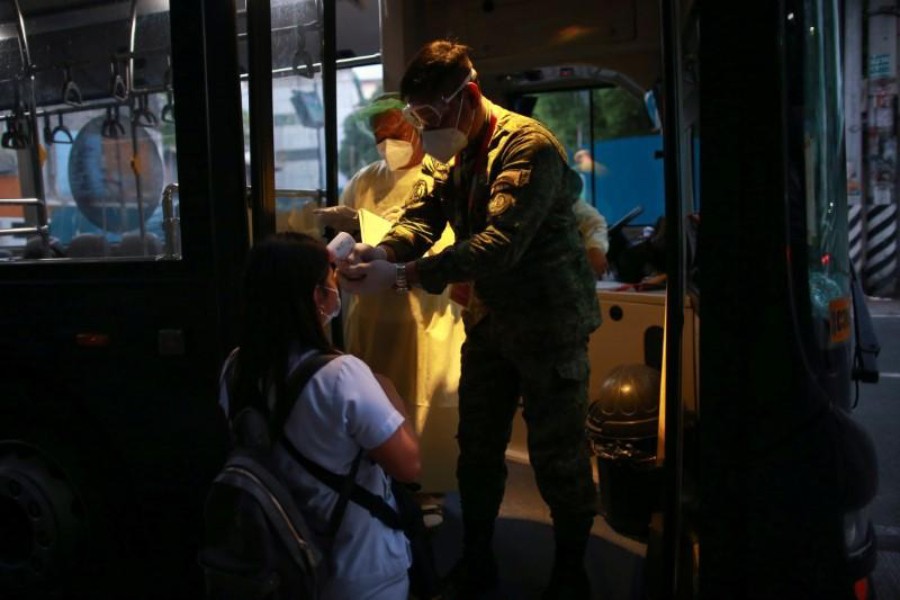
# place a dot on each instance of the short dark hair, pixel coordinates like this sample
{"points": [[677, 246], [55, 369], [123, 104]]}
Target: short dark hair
{"points": [[438, 68]]}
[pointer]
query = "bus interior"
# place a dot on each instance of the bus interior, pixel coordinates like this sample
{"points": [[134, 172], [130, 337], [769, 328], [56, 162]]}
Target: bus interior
{"points": [[148, 143]]}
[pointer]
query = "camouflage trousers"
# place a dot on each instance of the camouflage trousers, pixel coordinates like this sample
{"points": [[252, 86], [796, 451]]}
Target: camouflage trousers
{"points": [[500, 366]]}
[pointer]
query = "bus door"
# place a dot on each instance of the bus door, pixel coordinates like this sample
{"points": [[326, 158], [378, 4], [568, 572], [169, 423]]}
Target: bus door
{"points": [[786, 473], [306, 67], [122, 228], [595, 75]]}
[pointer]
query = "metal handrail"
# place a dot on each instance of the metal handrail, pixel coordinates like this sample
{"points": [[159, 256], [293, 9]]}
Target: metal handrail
{"points": [[88, 105], [24, 50], [41, 229], [341, 63]]}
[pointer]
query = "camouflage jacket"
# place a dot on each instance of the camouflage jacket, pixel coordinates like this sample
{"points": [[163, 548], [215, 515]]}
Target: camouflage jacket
{"points": [[517, 239]]}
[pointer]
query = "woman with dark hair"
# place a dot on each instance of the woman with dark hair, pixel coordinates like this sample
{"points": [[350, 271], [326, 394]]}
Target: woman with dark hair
{"points": [[290, 294]]}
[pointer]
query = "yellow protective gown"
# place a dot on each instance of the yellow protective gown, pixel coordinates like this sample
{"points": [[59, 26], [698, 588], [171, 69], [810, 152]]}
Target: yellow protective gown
{"points": [[413, 337]]}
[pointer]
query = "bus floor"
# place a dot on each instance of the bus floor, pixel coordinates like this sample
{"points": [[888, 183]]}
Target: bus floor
{"points": [[523, 543]]}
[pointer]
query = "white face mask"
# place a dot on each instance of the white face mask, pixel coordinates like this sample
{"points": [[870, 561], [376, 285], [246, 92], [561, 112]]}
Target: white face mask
{"points": [[326, 318], [445, 143], [396, 153]]}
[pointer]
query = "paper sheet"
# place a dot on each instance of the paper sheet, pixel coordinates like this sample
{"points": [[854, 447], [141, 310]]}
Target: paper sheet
{"points": [[373, 228]]}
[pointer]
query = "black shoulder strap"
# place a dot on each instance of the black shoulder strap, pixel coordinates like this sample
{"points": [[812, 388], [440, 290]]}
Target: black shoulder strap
{"points": [[375, 504], [295, 383], [344, 485], [340, 507]]}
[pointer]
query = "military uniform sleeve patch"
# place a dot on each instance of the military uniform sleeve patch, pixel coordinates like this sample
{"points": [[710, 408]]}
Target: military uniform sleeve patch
{"points": [[511, 179], [419, 190], [499, 204]]}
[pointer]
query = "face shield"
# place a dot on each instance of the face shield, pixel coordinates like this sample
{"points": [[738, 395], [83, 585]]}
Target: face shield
{"points": [[425, 116]]}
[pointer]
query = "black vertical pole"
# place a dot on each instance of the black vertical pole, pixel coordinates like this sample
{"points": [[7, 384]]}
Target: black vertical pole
{"points": [[672, 144], [591, 143], [26, 78], [262, 153], [329, 98], [329, 93], [209, 130]]}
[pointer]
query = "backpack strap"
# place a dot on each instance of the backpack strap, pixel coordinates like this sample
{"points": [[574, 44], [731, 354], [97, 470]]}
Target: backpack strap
{"points": [[340, 507], [375, 504], [295, 383], [345, 485]]}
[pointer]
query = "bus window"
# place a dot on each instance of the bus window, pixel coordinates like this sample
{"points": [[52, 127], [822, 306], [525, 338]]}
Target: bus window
{"points": [[298, 111], [612, 142], [824, 181], [356, 144], [92, 139], [12, 216]]}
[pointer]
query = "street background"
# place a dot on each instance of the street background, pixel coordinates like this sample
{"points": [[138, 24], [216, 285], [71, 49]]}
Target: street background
{"points": [[879, 413]]}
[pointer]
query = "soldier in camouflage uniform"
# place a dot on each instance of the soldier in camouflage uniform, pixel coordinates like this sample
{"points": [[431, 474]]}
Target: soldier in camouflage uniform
{"points": [[519, 267]]}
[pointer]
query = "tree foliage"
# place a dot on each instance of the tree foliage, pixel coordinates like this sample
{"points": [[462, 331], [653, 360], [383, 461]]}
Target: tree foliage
{"points": [[616, 114], [358, 146]]}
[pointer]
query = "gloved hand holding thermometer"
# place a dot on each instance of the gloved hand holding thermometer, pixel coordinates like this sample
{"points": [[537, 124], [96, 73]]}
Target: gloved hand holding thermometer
{"points": [[365, 270]]}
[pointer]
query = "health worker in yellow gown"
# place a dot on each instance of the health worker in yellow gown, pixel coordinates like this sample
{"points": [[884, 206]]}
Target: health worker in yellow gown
{"points": [[413, 337]]}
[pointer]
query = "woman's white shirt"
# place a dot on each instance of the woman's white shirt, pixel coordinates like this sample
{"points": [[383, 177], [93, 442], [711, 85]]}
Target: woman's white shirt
{"points": [[341, 410]]}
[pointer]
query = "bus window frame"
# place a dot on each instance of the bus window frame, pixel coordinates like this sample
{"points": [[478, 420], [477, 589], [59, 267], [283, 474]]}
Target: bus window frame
{"points": [[612, 80]]}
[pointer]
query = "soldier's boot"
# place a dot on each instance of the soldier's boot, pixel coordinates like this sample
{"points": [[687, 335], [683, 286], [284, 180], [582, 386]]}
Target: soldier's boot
{"points": [[569, 579], [476, 571]]}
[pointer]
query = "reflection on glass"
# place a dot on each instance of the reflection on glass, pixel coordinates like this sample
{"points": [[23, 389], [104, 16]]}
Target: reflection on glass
{"points": [[299, 139], [826, 202], [298, 113], [611, 142], [102, 101]]}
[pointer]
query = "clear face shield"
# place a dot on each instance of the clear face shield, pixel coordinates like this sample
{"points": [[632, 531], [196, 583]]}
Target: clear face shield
{"points": [[429, 116]]}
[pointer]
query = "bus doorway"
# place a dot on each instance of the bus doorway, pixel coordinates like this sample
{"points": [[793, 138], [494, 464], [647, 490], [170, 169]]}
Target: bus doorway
{"points": [[109, 429]]}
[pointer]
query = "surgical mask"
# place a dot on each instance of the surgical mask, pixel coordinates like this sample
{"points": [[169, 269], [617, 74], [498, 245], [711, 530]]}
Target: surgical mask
{"points": [[326, 319], [396, 153], [445, 143]]}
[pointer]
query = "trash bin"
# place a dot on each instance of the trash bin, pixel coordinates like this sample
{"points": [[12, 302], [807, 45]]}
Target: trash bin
{"points": [[622, 428]]}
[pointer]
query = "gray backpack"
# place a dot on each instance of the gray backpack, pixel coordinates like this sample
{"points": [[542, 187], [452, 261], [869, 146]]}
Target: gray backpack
{"points": [[257, 545]]}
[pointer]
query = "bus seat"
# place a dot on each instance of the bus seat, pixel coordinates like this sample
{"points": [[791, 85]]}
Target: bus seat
{"points": [[35, 249], [87, 245], [133, 245]]}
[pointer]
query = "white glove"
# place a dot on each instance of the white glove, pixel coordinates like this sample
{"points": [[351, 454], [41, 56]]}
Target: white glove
{"points": [[341, 218], [368, 277], [363, 253]]}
